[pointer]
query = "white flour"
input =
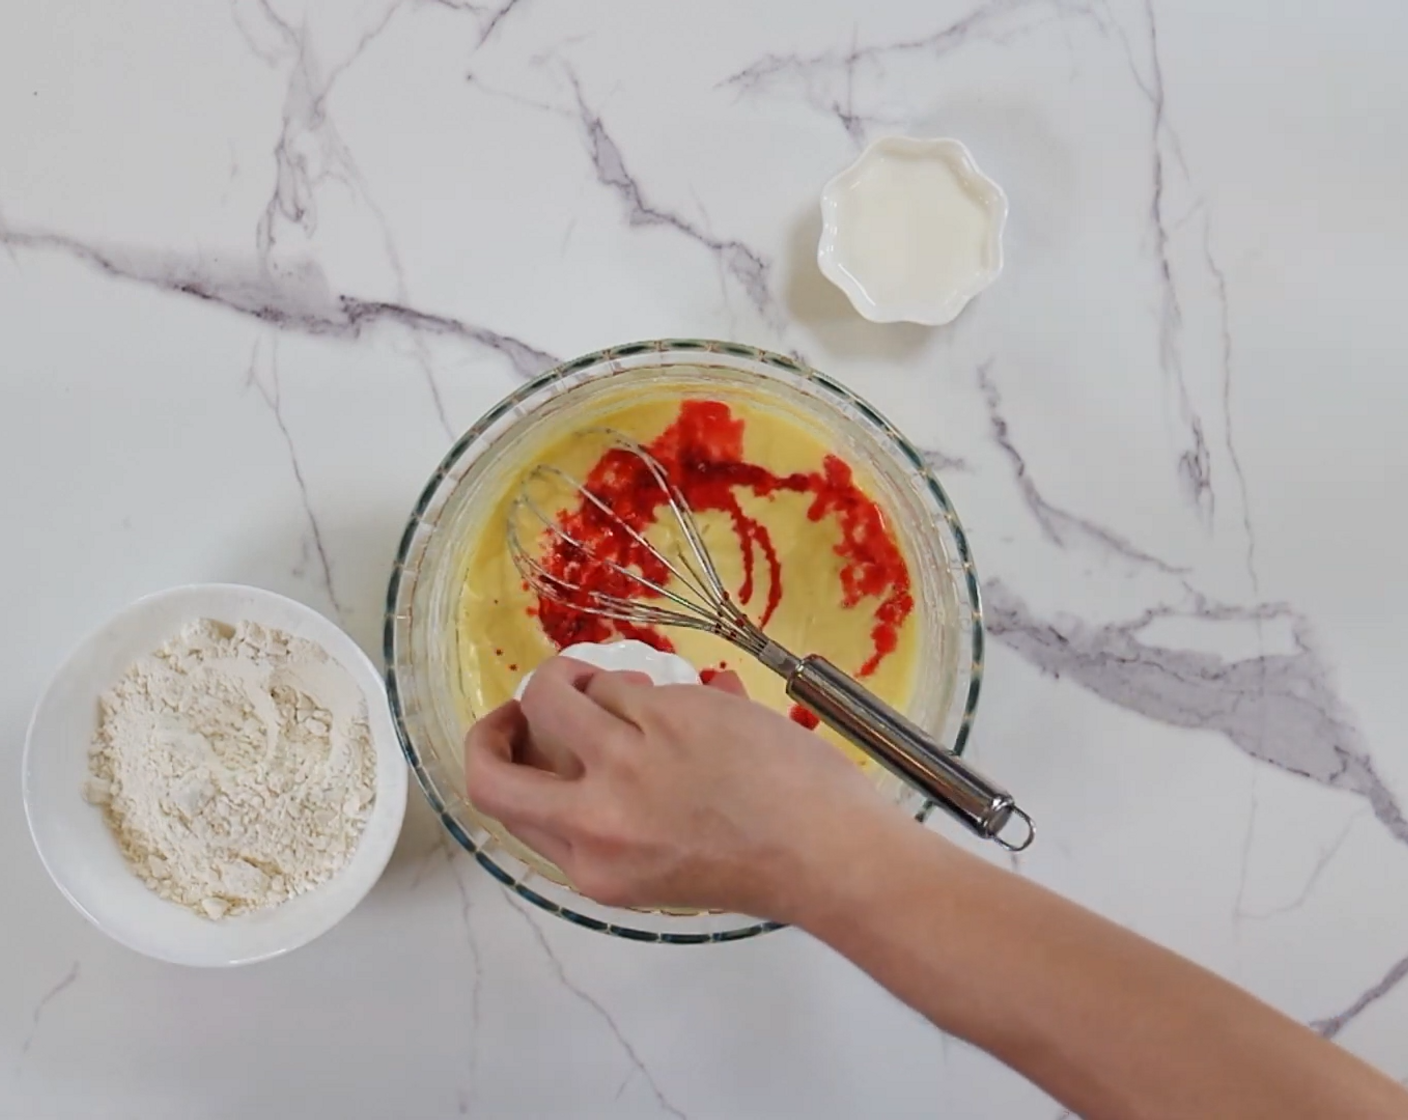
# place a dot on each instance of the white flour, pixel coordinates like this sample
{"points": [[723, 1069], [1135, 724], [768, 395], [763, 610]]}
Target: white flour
{"points": [[235, 767]]}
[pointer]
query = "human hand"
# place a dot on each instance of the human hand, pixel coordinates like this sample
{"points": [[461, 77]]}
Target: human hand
{"points": [[678, 795]]}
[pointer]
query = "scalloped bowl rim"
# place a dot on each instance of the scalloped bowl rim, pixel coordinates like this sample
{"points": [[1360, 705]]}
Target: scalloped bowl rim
{"points": [[945, 311]]}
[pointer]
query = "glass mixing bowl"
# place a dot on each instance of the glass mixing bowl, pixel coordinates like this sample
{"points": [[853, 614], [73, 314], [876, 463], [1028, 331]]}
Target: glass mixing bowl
{"points": [[429, 706]]}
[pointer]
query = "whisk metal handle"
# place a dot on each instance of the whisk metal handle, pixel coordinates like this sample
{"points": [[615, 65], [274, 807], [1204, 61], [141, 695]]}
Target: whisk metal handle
{"points": [[903, 748]]}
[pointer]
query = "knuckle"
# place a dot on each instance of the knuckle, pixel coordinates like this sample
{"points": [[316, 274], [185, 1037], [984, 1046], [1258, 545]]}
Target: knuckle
{"points": [[673, 711], [539, 687], [483, 798], [476, 780], [603, 828], [608, 834], [484, 790]]}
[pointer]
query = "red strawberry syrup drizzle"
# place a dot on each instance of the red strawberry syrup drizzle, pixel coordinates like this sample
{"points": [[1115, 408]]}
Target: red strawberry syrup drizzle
{"points": [[702, 453]]}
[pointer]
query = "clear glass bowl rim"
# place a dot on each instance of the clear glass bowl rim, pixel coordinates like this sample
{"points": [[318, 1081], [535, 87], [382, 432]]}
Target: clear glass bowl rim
{"points": [[605, 358]]}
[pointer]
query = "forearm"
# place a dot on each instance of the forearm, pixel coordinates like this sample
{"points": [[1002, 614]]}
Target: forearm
{"points": [[1105, 1021]]}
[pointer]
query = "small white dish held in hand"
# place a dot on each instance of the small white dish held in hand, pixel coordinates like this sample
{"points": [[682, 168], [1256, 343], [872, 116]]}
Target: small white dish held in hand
{"points": [[912, 231], [75, 843], [627, 655]]}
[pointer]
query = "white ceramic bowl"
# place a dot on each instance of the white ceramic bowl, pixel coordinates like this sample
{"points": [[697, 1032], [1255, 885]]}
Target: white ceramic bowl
{"points": [[857, 278], [74, 841]]}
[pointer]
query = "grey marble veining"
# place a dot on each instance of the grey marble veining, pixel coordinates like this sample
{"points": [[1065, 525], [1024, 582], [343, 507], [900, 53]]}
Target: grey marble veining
{"points": [[745, 265], [532, 919], [295, 299], [1331, 1026], [1057, 525], [263, 377], [1170, 427], [36, 1016], [1279, 708]]}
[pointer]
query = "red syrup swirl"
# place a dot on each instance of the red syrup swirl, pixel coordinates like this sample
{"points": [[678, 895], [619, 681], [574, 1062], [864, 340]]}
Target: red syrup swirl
{"points": [[702, 453]]}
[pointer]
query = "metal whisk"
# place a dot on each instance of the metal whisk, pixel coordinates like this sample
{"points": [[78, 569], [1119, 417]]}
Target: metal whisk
{"points": [[696, 598]]}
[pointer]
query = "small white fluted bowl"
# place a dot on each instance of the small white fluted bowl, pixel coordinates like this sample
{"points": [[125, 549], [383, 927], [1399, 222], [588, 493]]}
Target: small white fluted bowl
{"points": [[74, 841], [931, 309], [627, 655]]}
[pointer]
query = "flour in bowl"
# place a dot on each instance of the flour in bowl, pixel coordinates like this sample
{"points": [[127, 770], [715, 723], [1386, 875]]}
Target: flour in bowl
{"points": [[235, 767]]}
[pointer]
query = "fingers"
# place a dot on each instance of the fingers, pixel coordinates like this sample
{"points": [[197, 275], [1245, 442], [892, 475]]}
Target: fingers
{"points": [[728, 681], [496, 784], [523, 758], [527, 802], [564, 723], [620, 694], [541, 756]]}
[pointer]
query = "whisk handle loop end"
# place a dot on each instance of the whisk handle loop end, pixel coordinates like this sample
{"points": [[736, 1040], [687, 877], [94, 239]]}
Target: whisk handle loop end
{"points": [[905, 749]]}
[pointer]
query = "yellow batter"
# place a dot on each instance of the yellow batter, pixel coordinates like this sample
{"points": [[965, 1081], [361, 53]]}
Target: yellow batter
{"points": [[499, 638]]}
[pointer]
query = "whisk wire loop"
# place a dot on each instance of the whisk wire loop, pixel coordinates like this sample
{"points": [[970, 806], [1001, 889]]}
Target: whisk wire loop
{"points": [[697, 589]]}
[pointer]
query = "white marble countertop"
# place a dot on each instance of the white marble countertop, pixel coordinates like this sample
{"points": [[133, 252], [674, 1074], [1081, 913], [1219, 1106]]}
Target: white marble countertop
{"points": [[263, 259]]}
